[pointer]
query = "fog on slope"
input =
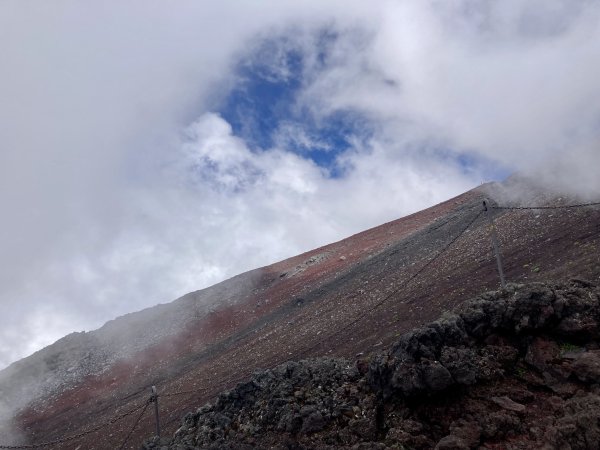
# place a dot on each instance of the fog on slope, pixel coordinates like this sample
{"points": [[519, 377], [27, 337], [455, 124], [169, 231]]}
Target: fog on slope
{"points": [[8, 432], [122, 187]]}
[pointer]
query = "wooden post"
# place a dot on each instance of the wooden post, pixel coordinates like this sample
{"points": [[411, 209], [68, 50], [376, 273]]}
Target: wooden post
{"points": [[495, 242], [155, 400]]}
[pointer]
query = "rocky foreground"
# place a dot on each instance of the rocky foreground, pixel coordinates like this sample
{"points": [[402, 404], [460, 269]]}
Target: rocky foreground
{"points": [[517, 369]]}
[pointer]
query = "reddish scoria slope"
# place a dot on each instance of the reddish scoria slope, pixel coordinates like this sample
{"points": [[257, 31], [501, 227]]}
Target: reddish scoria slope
{"points": [[355, 295]]}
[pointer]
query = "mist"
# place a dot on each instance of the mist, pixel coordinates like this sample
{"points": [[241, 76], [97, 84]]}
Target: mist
{"points": [[123, 186]]}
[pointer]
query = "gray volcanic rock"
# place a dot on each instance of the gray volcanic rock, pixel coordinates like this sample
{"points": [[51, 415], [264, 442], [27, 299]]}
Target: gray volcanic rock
{"points": [[520, 364]]}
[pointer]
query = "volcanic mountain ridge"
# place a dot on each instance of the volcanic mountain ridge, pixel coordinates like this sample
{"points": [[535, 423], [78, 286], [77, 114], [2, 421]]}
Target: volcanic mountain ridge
{"points": [[354, 296]]}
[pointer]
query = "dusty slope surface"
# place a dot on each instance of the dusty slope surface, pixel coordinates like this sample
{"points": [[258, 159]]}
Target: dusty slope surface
{"points": [[356, 295], [517, 368]]}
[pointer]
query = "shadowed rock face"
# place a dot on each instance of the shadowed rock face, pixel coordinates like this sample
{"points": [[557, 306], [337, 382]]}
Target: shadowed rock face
{"points": [[518, 367]]}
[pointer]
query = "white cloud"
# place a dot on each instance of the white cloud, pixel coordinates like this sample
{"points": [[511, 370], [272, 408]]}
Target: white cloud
{"points": [[120, 188], [487, 77]]}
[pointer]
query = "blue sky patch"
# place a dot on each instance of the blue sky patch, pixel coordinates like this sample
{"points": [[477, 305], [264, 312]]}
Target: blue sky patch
{"points": [[262, 107]]}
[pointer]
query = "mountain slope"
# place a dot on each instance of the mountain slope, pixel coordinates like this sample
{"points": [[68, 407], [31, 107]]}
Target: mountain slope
{"points": [[517, 367], [356, 295]]}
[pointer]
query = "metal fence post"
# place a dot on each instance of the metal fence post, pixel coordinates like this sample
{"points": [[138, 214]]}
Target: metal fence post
{"points": [[155, 400], [495, 242]]}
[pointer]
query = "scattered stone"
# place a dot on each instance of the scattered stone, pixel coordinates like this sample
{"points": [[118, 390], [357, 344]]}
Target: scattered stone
{"points": [[507, 403], [541, 352], [451, 442], [587, 367]]}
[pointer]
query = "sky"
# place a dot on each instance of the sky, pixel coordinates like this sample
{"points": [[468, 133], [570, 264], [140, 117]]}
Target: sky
{"points": [[149, 149]]}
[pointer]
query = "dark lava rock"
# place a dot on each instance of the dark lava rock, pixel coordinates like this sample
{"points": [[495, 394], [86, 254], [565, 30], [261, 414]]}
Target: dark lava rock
{"points": [[519, 365], [451, 442], [587, 367]]}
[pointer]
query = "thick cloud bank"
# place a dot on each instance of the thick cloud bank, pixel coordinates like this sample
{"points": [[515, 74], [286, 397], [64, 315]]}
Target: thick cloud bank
{"points": [[123, 186]]}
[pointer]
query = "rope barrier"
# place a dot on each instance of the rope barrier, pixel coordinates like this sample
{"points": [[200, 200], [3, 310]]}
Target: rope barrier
{"points": [[143, 407], [387, 297], [137, 421], [220, 385], [113, 420], [216, 387], [177, 393], [204, 389], [381, 302], [347, 326], [579, 205]]}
